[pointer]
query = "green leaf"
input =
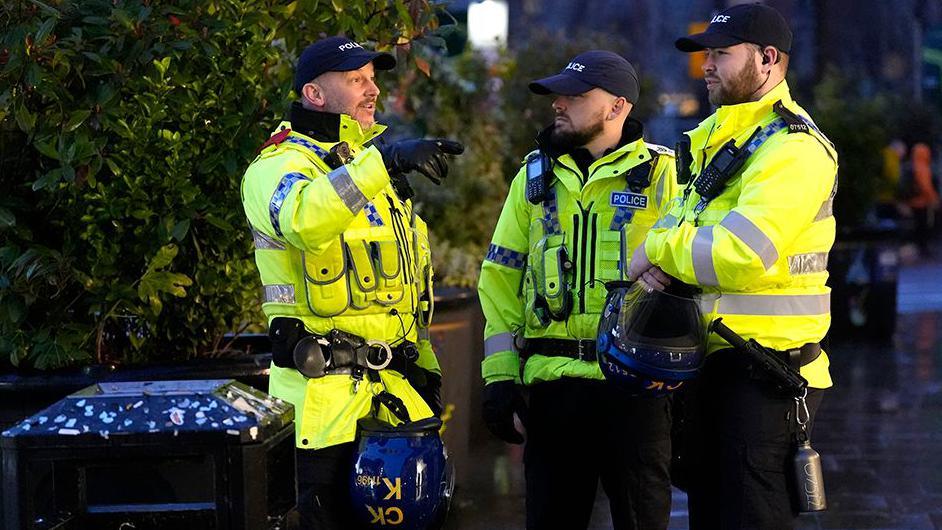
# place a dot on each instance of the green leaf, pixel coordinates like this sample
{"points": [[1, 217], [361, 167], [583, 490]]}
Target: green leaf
{"points": [[180, 229], [25, 119], [162, 65], [6, 217], [50, 178], [163, 258], [219, 223], [47, 149], [75, 119], [45, 29]]}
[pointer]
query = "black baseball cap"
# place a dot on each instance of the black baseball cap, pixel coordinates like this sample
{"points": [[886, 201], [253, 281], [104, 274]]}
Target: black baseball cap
{"points": [[592, 69], [336, 54], [755, 23]]}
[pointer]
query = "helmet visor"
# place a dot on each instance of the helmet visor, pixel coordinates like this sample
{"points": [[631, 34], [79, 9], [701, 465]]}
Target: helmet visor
{"points": [[659, 322]]}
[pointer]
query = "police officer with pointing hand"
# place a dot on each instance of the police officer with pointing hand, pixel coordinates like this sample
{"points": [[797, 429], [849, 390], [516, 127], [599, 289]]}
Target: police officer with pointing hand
{"points": [[346, 268]]}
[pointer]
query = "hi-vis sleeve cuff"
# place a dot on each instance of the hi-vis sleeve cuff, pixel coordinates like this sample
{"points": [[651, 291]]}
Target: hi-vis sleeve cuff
{"points": [[427, 358], [502, 366]]}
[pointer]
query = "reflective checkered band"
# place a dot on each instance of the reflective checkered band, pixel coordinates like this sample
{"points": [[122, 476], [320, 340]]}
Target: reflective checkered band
{"points": [[777, 125], [373, 215], [318, 150], [279, 294], [505, 256], [551, 213], [278, 198]]}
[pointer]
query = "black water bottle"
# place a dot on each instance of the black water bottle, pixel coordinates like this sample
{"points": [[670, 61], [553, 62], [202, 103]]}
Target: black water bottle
{"points": [[809, 480]]}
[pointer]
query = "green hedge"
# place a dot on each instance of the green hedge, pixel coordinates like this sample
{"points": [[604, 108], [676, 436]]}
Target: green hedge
{"points": [[125, 127]]}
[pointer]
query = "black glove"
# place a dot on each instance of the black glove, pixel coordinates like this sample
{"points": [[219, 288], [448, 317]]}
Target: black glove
{"points": [[501, 400], [425, 156], [429, 386]]}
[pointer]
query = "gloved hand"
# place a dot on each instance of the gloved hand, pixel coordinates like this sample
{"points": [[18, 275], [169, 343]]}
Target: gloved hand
{"points": [[425, 156], [428, 384], [501, 400]]}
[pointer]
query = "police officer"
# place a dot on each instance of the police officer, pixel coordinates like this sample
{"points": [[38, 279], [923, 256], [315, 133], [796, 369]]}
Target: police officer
{"points": [[346, 268], [755, 227], [578, 206]]}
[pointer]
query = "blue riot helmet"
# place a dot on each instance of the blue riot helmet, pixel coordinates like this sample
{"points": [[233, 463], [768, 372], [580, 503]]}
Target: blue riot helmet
{"points": [[650, 343], [401, 475]]}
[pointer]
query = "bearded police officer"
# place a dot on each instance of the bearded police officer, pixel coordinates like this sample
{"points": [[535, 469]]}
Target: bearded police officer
{"points": [[346, 269], [755, 226], [576, 209]]}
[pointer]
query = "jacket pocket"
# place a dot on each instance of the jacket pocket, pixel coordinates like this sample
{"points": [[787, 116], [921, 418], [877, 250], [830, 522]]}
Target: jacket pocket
{"points": [[325, 280], [362, 274], [388, 265]]}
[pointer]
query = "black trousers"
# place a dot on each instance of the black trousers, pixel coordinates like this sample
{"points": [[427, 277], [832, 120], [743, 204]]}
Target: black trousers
{"points": [[323, 488], [580, 432], [736, 443]]}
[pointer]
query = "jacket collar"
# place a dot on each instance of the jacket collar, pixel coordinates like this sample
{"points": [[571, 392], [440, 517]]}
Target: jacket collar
{"points": [[732, 121], [330, 128], [631, 131]]}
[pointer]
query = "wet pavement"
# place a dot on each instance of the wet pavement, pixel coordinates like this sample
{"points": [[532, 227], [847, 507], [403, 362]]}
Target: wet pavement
{"points": [[879, 431]]}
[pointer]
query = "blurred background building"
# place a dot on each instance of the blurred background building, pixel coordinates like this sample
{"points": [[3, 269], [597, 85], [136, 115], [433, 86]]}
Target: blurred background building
{"points": [[893, 47]]}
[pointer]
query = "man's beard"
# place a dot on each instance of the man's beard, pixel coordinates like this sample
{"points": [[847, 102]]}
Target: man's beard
{"points": [[568, 140], [336, 108], [740, 88]]}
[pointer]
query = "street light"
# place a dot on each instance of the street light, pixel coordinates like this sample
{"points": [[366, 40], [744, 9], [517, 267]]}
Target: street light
{"points": [[488, 22]]}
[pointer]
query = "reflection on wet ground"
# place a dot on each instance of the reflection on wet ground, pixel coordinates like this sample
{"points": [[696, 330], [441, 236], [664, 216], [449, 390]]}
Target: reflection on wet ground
{"points": [[879, 432]]}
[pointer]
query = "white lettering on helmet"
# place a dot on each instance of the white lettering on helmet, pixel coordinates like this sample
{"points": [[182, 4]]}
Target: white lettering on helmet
{"points": [[575, 66], [720, 18], [348, 46]]}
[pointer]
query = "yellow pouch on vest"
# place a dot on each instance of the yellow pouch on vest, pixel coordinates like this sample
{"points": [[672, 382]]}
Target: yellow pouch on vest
{"points": [[325, 280]]}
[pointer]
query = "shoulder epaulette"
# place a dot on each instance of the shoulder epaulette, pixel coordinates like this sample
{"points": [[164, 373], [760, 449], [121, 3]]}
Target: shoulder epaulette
{"points": [[659, 149], [275, 139], [793, 120]]}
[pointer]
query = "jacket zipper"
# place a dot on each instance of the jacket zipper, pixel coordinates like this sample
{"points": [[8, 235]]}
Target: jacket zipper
{"points": [[583, 252]]}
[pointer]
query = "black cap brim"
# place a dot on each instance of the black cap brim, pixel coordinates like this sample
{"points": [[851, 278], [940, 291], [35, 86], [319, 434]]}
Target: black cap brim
{"points": [[562, 84], [701, 41], [380, 60]]}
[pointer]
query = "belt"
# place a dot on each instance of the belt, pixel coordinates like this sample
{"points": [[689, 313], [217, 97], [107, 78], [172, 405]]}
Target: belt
{"points": [[798, 357], [582, 350]]}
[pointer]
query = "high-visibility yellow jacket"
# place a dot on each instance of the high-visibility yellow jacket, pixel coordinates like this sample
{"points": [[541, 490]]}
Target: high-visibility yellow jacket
{"points": [[762, 244], [599, 239], [338, 249]]}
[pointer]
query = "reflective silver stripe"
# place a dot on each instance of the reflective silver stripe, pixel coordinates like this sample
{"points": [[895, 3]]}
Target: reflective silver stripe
{"points": [[660, 189], [280, 294], [754, 238], [498, 343], [703, 256], [827, 207], [827, 210], [668, 221], [775, 305], [808, 263], [423, 333], [263, 242], [348, 191]]}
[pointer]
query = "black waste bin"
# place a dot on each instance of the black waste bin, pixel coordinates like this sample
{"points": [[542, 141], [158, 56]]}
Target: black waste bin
{"points": [[211, 454]]}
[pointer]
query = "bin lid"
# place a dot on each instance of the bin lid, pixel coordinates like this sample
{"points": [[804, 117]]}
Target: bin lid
{"points": [[152, 410]]}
